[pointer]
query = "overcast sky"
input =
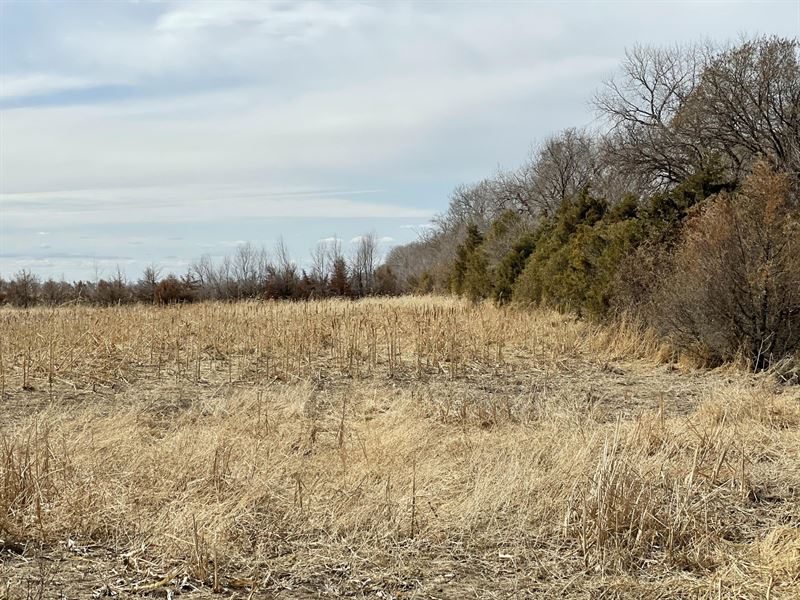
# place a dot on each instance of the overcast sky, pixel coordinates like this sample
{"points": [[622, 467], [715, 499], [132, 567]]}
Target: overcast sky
{"points": [[139, 132]]}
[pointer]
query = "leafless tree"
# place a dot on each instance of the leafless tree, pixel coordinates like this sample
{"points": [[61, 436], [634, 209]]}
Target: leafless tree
{"points": [[320, 265], [746, 105], [677, 111], [284, 277], [334, 249], [477, 204], [146, 286], [558, 169], [54, 293], [364, 260], [642, 107], [23, 289], [246, 269]]}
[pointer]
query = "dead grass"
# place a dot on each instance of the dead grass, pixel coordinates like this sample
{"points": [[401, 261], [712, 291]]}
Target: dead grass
{"points": [[413, 447]]}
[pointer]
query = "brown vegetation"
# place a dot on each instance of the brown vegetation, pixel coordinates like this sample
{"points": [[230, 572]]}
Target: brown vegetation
{"points": [[735, 286], [414, 447]]}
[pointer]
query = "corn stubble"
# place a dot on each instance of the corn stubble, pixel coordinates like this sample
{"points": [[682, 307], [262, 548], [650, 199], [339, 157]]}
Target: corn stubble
{"points": [[409, 447]]}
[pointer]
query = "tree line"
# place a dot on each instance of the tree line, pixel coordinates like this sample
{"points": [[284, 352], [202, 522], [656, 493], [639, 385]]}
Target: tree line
{"points": [[251, 272], [681, 208]]}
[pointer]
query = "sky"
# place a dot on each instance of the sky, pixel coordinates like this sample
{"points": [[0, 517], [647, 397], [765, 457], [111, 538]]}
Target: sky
{"points": [[148, 132]]}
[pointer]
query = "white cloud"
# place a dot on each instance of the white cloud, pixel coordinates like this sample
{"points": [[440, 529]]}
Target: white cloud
{"points": [[420, 226], [381, 240], [187, 204], [287, 20], [247, 132], [38, 84]]}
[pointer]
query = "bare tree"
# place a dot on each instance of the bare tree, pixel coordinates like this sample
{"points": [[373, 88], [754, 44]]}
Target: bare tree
{"points": [[323, 257], [23, 289], [363, 263], [561, 167], [206, 277], [114, 290], [246, 270], [677, 111], [54, 293], [746, 105], [283, 283], [477, 204], [319, 263], [643, 107], [146, 286]]}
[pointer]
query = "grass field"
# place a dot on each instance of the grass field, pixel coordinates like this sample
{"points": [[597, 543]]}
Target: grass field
{"points": [[415, 447]]}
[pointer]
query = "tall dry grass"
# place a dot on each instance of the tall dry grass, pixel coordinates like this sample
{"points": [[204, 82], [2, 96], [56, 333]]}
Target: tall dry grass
{"points": [[381, 453], [83, 347]]}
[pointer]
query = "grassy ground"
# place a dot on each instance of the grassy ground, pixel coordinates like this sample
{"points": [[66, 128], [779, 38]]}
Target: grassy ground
{"points": [[400, 448]]}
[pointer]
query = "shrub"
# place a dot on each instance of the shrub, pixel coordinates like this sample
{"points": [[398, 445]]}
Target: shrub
{"points": [[112, 292], [425, 284], [734, 285], [512, 266], [386, 283], [172, 290], [340, 280], [464, 258], [23, 290], [562, 267]]}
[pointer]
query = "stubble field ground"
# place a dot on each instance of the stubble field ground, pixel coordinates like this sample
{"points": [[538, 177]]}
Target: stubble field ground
{"points": [[412, 447]]}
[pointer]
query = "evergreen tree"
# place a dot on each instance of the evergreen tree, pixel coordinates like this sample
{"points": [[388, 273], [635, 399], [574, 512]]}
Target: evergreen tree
{"points": [[339, 284], [464, 254], [512, 266]]}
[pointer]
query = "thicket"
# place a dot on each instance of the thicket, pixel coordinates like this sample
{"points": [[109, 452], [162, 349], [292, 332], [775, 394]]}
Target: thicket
{"points": [[733, 284], [683, 211]]}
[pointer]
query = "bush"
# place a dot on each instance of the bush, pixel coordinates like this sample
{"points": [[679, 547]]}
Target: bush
{"points": [[577, 254], [465, 260], [386, 283], [734, 286], [172, 290], [23, 290], [512, 266], [643, 268]]}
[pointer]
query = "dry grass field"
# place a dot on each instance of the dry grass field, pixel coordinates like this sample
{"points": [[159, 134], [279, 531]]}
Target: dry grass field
{"points": [[416, 447]]}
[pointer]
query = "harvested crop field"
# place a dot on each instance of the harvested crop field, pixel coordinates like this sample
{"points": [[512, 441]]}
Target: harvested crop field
{"points": [[414, 447]]}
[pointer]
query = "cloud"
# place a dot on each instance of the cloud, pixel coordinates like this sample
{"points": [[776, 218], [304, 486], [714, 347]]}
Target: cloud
{"points": [[363, 126], [381, 240], [419, 226], [38, 84], [188, 204], [285, 20]]}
